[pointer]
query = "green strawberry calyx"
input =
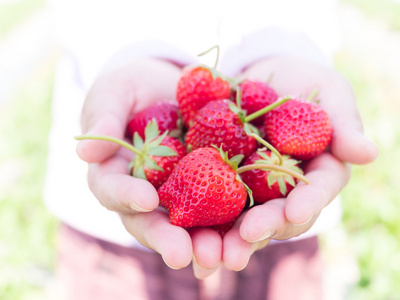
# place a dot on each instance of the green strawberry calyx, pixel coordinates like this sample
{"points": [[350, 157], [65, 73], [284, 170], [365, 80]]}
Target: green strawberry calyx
{"points": [[279, 176], [280, 173], [144, 149], [234, 162], [149, 147]]}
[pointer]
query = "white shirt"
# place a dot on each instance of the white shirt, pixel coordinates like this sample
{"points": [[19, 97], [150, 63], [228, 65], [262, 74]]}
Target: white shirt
{"points": [[96, 33]]}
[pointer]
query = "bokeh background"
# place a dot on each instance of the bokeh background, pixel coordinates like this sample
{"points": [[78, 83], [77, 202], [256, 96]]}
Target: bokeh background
{"points": [[362, 255]]}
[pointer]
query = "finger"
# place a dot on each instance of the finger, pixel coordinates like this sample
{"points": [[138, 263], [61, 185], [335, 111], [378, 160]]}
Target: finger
{"points": [[117, 190], [207, 251], [348, 141], [352, 146], [237, 251], [106, 110], [291, 230], [268, 221], [154, 231], [116, 95], [262, 221], [94, 151], [200, 272], [295, 76], [327, 176]]}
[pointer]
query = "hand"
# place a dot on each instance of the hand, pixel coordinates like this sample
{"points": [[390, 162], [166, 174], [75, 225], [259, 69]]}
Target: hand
{"points": [[329, 173], [114, 97]]}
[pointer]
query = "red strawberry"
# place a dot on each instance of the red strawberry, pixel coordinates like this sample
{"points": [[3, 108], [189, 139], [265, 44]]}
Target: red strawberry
{"points": [[298, 128], [159, 172], [166, 115], [155, 157], [218, 123], [224, 228], [203, 190], [196, 87], [256, 95], [269, 184]]}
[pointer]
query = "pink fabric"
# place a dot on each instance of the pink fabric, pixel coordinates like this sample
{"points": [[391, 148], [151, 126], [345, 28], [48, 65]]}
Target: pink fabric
{"points": [[89, 268]]}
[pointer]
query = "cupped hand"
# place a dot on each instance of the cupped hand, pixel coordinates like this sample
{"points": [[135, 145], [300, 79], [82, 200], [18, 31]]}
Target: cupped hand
{"points": [[114, 97], [328, 173]]}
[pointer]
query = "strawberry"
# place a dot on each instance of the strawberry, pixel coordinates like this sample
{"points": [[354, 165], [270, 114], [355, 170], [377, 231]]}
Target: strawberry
{"points": [[267, 184], [224, 228], [157, 173], [166, 115], [204, 189], [196, 87], [255, 96], [298, 128], [219, 123], [155, 157]]}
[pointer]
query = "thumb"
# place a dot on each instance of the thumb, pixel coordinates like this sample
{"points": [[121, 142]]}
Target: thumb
{"points": [[114, 97], [349, 143], [94, 151], [106, 110]]}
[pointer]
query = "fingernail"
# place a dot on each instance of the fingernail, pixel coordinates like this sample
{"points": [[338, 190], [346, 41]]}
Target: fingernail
{"points": [[201, 272], [134, 206], [168, 264], [371, 148], [197, 264], [267, 234], [368, 146], [304, 223]]}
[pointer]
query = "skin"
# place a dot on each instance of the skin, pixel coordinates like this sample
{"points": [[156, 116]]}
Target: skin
{"points": [[140, 83]]}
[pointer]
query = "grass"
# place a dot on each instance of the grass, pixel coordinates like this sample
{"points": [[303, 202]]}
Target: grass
{"points": [[385, 11], [371, 200], [27, 229], [13, 13]]}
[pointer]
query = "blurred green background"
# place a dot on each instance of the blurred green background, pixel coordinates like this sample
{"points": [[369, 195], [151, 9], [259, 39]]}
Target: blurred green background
{"points": [[362, 255]]}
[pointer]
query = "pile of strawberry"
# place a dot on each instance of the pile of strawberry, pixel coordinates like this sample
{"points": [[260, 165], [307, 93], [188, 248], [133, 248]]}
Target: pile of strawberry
{"points": [[223, 147]]}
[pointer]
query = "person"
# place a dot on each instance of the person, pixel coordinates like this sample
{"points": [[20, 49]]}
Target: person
{"points": [[125, 55]]}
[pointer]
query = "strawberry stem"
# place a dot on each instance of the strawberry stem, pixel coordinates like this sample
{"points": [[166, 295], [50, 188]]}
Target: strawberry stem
{"points": [[216, 60], [274, 168], [109, 139], [266, 109], [269, 146], [312, 95], [239, 97], [269, 79]]}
